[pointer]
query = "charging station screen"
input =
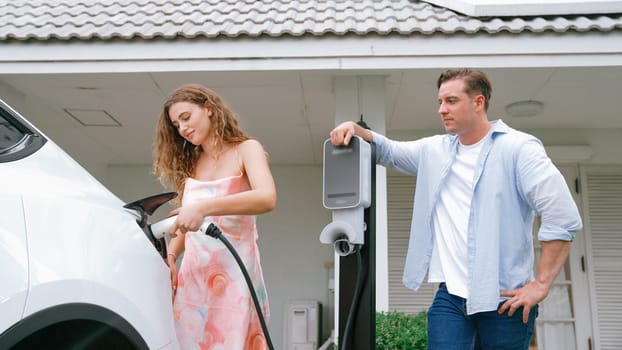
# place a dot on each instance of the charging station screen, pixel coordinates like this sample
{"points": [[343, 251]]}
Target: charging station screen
{"points": [[341, 175]]}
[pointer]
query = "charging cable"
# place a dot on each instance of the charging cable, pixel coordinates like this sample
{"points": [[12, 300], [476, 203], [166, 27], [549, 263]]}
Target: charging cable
{"points": [[355, 299], [213, 231]]}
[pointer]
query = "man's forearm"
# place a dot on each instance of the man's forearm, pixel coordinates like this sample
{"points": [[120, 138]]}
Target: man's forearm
{"points": [[362, 132], [552, 258]]}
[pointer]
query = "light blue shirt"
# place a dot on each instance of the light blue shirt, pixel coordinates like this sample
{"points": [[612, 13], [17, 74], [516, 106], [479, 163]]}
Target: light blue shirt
{"points": [[514, 179]]}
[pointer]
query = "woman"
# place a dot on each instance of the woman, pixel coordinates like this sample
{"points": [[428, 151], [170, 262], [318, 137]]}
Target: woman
{"points": [[221, 174]]}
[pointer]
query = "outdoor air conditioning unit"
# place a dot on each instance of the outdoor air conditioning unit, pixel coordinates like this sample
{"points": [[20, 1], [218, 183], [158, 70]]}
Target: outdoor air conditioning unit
{"points": [[302, 325]]}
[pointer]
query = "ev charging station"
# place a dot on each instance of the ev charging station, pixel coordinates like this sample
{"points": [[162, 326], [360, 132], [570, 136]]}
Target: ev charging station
{"points": [[349, 191]]}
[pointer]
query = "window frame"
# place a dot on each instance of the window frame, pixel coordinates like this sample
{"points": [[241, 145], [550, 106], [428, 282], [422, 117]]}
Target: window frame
{"points": [[31, 140]]}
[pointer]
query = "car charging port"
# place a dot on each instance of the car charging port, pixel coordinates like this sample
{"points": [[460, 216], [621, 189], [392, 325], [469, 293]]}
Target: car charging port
{"points": [[145, 207]]}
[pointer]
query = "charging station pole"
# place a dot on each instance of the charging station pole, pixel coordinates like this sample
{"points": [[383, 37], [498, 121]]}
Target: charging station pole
{"points": [[363, 331]]}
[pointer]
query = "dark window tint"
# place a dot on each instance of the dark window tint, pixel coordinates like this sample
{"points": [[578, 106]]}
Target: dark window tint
{"points": [[17, 139], [9, 135]]}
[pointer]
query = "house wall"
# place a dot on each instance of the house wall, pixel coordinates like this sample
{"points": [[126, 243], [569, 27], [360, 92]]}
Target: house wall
{"points": [[604, 142], [293, 259]]}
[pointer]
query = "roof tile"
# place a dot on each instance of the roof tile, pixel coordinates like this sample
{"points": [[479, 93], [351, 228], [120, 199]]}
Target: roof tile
{"points": [[170, 19]]}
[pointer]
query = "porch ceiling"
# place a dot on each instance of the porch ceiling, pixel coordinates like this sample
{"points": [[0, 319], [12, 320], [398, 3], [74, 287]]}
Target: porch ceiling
{"points": [[291, 112]]}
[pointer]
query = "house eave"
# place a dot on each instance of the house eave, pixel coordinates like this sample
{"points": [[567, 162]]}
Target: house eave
{"points": [[338, 53]]}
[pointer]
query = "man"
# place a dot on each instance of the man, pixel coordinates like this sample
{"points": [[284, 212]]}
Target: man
{"points": [[478, 187]]}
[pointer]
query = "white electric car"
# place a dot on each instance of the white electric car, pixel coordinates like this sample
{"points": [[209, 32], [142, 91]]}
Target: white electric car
{"points": [[79, 268]]}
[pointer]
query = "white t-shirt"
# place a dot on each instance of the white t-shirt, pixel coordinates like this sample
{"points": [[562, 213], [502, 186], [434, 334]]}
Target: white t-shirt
{"points": [[451, 220]]}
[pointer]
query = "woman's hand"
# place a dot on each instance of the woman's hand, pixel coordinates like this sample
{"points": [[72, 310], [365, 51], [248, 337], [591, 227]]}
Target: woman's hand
{"points": [[189, 218]]}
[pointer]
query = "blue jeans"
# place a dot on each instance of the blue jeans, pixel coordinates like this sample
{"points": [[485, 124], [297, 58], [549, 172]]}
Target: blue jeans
{"points": [[450, 328]]}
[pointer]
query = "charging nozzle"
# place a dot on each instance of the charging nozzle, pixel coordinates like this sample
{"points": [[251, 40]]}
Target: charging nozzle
{"points": [[210, 229], [342, 234], [344, 247], [161, 228]]}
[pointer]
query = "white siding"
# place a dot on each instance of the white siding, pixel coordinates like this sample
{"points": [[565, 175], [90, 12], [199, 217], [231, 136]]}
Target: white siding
{"points": [[401, 189], [603, 199]]}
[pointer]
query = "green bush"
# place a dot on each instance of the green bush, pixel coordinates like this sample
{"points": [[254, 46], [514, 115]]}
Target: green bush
{"points": [[401, 331]]}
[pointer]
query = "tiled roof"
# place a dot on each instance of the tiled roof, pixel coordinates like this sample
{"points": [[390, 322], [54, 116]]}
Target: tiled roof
{"points": [[172, 19]]}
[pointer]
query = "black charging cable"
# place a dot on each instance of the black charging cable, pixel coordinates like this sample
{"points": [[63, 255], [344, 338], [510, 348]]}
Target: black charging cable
{"points": [[355, 299], [213, 231]]}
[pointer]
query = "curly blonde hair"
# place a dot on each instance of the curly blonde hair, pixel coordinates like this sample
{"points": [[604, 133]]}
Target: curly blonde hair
{"points": [[174, 157]]}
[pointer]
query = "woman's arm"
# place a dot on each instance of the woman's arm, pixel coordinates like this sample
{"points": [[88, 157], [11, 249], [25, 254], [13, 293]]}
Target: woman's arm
{"points": [[175, 247], [261, 198]]}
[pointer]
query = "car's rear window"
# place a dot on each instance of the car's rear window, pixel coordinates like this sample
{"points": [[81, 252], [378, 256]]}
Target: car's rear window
{"points": [[9, 135], [17, 140]]}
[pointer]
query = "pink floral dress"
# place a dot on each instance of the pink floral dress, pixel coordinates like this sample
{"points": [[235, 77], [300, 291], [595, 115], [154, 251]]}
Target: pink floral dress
{"points": [[213, 307]]}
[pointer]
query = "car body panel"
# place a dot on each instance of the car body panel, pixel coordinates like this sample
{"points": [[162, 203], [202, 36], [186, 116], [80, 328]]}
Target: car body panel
{"points": [[90, 254], [13, 259], [66, 239]]}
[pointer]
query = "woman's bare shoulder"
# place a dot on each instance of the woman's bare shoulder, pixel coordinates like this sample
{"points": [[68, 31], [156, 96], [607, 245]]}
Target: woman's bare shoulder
{"points": [[251, 145]]}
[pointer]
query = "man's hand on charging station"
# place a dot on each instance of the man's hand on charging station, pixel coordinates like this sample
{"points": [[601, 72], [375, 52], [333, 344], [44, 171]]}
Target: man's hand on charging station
{"points": [[342, 134]]}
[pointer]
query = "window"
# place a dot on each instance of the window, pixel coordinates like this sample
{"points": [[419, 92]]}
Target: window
{"points": [[16, 139], [10, 135]]}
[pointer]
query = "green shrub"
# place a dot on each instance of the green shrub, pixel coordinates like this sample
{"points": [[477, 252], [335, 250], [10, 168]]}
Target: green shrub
{"points": [[401, 331]]}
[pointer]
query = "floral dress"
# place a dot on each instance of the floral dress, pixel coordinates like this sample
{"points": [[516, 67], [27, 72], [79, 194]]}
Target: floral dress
{"points": [[213, 307]]}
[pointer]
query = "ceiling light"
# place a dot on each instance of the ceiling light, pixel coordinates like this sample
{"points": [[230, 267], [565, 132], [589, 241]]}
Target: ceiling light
{"points": [[527, 108]]}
